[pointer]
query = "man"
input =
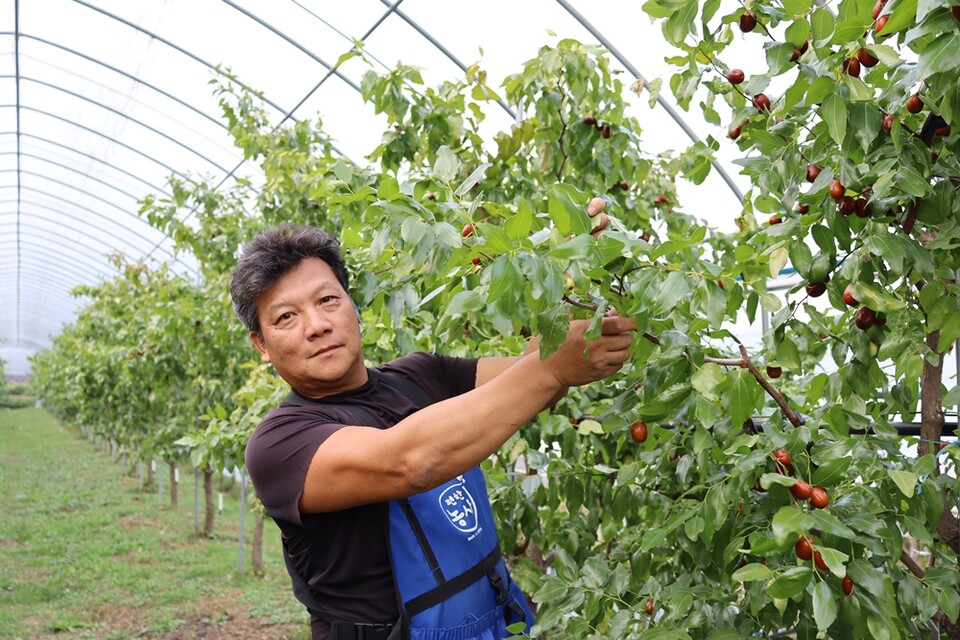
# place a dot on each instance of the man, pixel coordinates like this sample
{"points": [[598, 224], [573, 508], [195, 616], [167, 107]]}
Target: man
{"points": [[389, 528]]}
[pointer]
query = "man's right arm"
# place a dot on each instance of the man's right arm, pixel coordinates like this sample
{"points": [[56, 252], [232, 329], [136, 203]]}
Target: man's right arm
{"points": [[359, 465]]}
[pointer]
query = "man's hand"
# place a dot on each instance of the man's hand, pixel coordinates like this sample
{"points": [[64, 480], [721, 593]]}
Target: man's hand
{"points": [[595, 210], [604, 356]]}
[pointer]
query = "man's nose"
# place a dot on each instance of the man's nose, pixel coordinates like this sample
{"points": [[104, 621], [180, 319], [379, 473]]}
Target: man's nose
{"points": [[317, 322]]}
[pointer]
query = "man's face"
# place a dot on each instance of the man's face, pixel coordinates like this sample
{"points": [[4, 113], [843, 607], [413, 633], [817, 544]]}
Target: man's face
{"points": [[310, 331]]}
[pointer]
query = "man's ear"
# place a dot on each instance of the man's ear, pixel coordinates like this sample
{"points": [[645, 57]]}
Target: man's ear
{"points": [[256, 339]]}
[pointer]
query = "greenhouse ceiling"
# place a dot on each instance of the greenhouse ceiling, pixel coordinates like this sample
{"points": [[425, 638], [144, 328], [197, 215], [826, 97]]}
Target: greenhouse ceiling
{"points": [[102, 101]]}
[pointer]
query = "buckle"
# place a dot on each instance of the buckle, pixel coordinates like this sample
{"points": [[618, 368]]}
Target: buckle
{"points": [[360, 631], [496, 581]]}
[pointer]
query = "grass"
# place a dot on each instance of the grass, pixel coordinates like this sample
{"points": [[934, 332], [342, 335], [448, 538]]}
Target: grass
{"points": [[86, 553]]}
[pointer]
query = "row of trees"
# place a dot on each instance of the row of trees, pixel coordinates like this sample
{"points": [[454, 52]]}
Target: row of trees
{"points": [[713, 490], [3, 384]]}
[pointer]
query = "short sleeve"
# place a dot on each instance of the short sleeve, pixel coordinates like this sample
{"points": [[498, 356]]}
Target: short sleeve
{"points": [[278, 455]]}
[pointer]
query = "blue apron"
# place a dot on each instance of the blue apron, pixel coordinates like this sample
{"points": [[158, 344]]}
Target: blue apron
{"points": [[451, 580]]}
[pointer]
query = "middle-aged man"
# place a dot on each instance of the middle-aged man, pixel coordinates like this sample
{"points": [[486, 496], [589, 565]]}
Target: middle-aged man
{"points": [[372, 473]]}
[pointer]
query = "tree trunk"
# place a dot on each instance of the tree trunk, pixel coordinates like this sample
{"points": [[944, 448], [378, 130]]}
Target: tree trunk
{"points": [[256, 546], [173, 483], [931, 430], [208, 498], [931, 409], [149, 484]]}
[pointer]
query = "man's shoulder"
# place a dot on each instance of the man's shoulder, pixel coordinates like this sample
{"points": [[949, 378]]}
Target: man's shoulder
{"points": [[287, 415], [420, 362]]}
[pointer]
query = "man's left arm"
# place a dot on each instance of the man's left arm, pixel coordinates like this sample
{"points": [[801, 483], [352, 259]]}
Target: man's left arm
{"points": [[489, 368]]}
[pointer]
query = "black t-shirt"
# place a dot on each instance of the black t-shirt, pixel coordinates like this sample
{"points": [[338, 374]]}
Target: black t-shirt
{"points": [[342, 555]]}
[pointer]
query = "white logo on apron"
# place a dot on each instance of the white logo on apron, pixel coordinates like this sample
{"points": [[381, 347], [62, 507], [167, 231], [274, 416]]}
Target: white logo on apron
{"points": [[459, 506]]}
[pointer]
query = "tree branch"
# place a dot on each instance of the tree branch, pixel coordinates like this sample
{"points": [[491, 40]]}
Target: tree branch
{"points": [[911, 564], [772, 391], [744, 362]]}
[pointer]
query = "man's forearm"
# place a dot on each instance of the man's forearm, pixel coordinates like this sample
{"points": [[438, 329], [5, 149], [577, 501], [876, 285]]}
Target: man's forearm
{"points": [[447, 438]]}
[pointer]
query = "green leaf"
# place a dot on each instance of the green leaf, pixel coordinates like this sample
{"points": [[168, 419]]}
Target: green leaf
{"points": [[834, 113], [656, 633], [798, 32], [942, 55], [912, 181], [778, 56], [824, 606], [465, 302], [675, 288], [680, 22], [874, 298], [791, 582], [866, 577], [829, 523], [580, 246], [881, 628], [950, 328], [740, 396], [388, 188], [835, 560], [504, 278], [653, 539], [952, 398], [446, 166], [900, 252], [865, 120], [793, 8], [949, 601], [788, 521], [472, 179], [673, 246], [551, 590], [706, 379], [778, 258], [565, 211], [587, 427], [904, 14], [905, 481], [817, 92], [343, 171], [751, 572], [822, 24], [725, 634], [594, 572], [850, 29], [518, 225], [801, 258]]}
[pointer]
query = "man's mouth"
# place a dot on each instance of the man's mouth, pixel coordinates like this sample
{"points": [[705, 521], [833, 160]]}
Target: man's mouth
{"points": [[325, 350]]}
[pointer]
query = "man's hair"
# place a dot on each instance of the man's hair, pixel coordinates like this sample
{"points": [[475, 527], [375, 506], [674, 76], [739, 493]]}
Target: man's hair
{"points": [[270, 256]]}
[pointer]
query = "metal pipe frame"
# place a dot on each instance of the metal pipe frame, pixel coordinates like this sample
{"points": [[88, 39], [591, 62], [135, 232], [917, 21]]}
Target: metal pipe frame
{"points": [[123, 115], [60, 224], [586, 24], [104, 136], [436, 43], [139, 80], [175, 47], [85, 192], [70, 252], [32, 265], [331, 69], [99, 215], [89, 157], [60, 165]]}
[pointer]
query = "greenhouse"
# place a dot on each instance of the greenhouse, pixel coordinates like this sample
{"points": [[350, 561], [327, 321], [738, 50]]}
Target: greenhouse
{"points": [[419, 319]]}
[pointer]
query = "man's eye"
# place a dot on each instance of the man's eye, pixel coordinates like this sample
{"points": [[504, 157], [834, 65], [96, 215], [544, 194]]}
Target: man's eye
{"points": [[284, 317], [327, 299]]}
